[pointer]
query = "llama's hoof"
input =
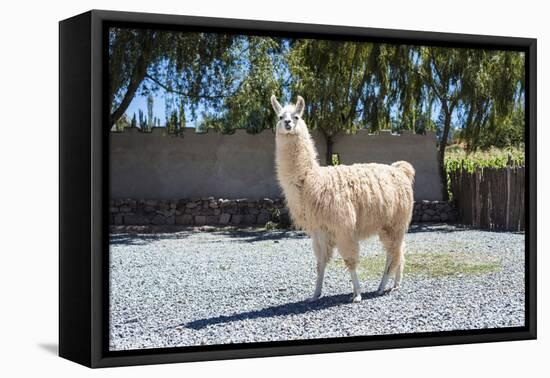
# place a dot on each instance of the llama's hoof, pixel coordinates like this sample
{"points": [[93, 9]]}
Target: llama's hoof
{"points": [[313, 299], [380, 292], [395, 288], [357, 298]]}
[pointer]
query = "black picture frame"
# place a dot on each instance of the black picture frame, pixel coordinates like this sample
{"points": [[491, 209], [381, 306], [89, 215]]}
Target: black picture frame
{"points": [[84, 190]]}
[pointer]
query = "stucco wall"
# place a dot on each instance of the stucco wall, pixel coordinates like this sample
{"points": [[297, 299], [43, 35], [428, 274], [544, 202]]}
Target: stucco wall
{"points": [[419, 150], [160, 166]]}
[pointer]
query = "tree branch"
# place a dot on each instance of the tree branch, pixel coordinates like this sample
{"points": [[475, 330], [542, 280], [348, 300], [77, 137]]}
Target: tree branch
{"points": [[357, 95], [137, 77], [168, 88]]}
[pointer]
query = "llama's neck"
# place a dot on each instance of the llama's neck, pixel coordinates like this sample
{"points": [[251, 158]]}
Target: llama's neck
{"points": [[296, 158]]}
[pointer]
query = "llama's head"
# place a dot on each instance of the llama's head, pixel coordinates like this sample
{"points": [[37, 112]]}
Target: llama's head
{"points": [[290, 120]]}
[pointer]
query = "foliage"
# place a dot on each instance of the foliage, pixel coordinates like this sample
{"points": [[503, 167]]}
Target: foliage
{"points": [[492, 99], [332, 76], [351, 85], [150, 119], [122, 123], [133, 124], [256, 80], [187, 64], [458, 158], [173, 123], [270, 226]]}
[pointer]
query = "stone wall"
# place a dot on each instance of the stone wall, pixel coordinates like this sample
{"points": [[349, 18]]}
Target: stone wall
{"points": [[434, 211], [242, 165], [234, 212]]}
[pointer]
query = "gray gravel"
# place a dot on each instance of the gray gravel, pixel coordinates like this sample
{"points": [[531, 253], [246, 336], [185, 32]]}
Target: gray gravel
{"points": [[195, 288]]}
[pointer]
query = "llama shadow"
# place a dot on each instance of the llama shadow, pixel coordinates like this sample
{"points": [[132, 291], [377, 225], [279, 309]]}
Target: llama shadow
{"points": [[294, 308]]}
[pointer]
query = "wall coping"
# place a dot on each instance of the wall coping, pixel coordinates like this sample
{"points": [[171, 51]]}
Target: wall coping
{"points": [[241, 132]]}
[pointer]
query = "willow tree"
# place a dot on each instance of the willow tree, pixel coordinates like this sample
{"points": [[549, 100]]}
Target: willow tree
{"points": [[142, 61], [354, 85], [492, 99], [409, 95], [333, 76], [442, 70], [254, 78], [482, 89], [378, 95]]}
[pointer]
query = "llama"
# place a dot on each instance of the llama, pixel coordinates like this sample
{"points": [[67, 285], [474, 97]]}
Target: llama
{"points": [[337, 206]]}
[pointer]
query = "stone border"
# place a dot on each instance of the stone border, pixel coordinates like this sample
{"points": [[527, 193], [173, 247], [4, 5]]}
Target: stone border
{"points": [[434, 211], [235, 212]]}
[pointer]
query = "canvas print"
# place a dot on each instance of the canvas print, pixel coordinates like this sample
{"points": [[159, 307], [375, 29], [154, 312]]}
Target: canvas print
{"points": [[269, 188]]}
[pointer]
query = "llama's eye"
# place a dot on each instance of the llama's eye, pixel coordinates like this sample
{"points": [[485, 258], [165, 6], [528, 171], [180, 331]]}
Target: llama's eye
{"points": [[280, 117], [296, 117]]}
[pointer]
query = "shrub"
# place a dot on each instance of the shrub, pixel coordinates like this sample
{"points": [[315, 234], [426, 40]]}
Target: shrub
{"points": [[456, 159]]}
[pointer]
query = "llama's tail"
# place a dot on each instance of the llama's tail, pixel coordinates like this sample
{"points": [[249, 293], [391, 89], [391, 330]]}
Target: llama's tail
{"points": [[407, 168]]}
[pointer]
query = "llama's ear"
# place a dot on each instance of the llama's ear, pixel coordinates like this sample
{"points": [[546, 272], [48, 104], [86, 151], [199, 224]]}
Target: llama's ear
{"points": [[300, 105], [276, 106]]}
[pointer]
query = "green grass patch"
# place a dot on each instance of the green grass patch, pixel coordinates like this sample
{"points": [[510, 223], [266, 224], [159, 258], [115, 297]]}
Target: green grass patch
{"points": [[429, 265]]}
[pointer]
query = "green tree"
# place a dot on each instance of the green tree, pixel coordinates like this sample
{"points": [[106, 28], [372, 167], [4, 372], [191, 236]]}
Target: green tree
{"points": [[255, 76], [355, 85], [182, 116], [492, 99], [134, 121], [442, 70], [247, 107], [332, 76], [191, 64], [481, 88], [142, 120], [150, 103], [122, 123], [172, 125]]}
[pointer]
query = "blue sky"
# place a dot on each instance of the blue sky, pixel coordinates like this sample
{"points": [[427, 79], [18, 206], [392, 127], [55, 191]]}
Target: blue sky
{"points": [[140, 102]]}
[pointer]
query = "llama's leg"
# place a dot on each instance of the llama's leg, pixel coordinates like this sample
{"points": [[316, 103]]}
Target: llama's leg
{"points": [[385, 276], [321, 264], [399, 270], [322, 249], [393, 243], [356, 285], [349, 250]]}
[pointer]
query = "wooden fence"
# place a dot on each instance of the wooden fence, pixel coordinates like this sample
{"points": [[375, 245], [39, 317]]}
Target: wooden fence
{"points": [[492, 198]]}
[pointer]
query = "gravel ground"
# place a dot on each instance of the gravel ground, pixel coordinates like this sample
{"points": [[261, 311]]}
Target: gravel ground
{"points": [[226, 286]]}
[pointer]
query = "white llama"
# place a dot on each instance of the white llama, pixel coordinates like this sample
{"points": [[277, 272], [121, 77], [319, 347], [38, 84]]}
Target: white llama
{"points": [[341, 205]]}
